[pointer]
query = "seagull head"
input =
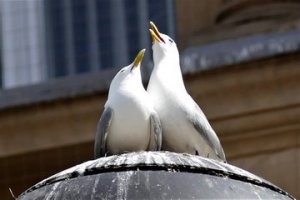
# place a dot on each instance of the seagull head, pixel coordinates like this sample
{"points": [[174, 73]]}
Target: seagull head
{"points": [[129, 73], [162, 45]]}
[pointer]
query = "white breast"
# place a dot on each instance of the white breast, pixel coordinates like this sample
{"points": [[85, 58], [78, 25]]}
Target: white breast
{"points": [[130, 127]]}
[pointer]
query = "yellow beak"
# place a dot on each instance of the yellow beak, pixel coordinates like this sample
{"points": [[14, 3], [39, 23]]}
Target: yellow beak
{"points": [[155, 34], [138, 59]]}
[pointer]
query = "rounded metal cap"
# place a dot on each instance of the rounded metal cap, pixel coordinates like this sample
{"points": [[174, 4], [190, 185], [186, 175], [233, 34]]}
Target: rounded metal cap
{"points": [[154, 175]]}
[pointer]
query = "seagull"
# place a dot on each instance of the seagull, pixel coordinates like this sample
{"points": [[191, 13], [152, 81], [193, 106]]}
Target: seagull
{"points": [[129, 121], [184, 125]]}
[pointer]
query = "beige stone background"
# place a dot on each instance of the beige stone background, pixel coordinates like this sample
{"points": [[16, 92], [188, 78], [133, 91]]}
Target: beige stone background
{"points": [[253, 106]]}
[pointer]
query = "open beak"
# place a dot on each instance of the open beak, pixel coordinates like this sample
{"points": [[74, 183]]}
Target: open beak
{"points": [[155, 34], [138, 59]]}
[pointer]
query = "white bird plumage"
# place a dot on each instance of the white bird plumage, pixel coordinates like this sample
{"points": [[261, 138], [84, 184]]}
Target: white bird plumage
{"points": [[129, 122], [185, 127]]}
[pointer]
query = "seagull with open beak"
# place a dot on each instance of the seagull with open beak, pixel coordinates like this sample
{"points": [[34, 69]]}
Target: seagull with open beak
{"points": [[184, 125], [128, 122]]}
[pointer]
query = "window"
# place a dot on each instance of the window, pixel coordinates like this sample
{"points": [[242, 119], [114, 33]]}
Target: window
{"points": [[54, 38]]}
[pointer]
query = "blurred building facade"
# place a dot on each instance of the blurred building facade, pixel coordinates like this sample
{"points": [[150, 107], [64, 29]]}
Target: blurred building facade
{"points": [[240, 64], [23, 44], [44, 39]]}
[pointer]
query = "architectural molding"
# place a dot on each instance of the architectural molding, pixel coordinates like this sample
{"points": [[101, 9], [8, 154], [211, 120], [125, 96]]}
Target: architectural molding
{"points": [[252, 104]]}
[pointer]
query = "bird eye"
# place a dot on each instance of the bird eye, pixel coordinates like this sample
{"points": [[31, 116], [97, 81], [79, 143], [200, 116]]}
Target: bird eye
{"points": [[171, 41], [122, 70]]}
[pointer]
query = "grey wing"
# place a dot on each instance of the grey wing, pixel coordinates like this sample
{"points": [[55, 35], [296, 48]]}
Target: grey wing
{"points": [[155, 133], [102, 132], [202, 126]]}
